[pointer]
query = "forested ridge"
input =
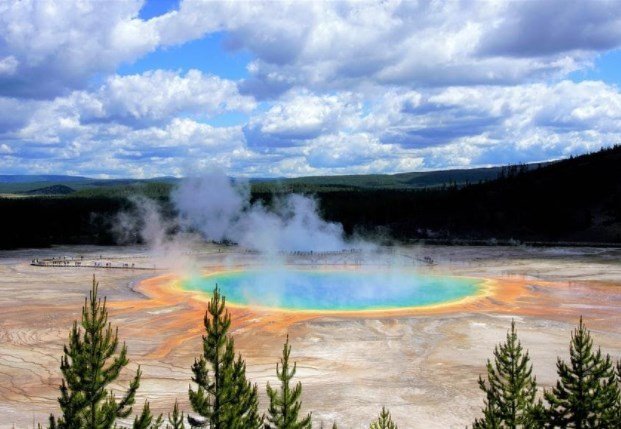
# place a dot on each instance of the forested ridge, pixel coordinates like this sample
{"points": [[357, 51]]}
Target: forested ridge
{"points": [[577, 200]]}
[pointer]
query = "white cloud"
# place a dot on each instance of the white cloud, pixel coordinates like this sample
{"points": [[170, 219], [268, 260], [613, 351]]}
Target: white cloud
{"points": [[348, 44], [138, 101], [300, 117], [48, 47], [347, 87], [101, 149], [157, 95], [8, 65], [531, 29], [347, 151], [399, 131], [58, 45]]}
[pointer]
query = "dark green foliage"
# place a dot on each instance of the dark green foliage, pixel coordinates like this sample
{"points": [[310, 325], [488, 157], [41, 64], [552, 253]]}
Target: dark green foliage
{"points": [[89, 365], [416, 180], [176, 419], [570, 200], [145, 420], [538, 415], [285, 403], [490, 419], [574, 200], [223, 399], [587, 394], [384, 421], [510, 388], [51, 190], [617, 417]]}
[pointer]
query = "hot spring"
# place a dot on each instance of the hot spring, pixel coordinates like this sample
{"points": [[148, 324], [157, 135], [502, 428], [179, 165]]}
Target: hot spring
{"points": [[335, 290]]}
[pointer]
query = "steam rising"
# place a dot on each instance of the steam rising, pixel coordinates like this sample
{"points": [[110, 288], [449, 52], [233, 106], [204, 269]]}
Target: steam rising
{"points": [[221, 211], [290, 230], [214, 208], [145, 220]]}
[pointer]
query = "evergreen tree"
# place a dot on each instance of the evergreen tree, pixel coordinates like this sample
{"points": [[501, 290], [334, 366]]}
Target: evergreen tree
{"points": [[145, 420], [617, 417], [510, 388], [491, 419], [176, 419], [285, 402], [89, 365], [384, 421], [224, 399], [586, 394]]}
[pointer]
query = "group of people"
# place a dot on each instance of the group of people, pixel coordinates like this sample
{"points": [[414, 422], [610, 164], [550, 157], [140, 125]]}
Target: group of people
{"points": [[77, 262]]}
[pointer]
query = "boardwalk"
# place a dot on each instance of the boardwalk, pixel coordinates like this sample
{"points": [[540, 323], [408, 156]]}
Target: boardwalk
{"points": [[81, 262]]}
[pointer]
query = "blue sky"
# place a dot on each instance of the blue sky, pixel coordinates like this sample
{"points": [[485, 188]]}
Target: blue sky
{"points": [[606, 67], [152, 8], [274, 88]]}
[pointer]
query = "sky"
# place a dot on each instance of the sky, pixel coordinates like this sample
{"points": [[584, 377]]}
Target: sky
{"points": [[272, 88]]}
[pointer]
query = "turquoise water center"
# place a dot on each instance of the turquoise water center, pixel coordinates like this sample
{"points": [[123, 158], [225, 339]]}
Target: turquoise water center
{"points": [[335, 290]]}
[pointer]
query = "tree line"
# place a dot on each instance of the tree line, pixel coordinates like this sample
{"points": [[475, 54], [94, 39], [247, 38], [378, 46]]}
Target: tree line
{"points": [[586, 395], [574, 200]]}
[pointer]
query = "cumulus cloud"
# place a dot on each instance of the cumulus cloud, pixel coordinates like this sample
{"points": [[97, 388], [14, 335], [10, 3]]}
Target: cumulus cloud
{"points": [[347, 150], [552, 27], [53, 46], [334, 134], [159, 94], [320, 45], [8, 66], [154, 98], [302, 117], [344, 45], [331, 87]]}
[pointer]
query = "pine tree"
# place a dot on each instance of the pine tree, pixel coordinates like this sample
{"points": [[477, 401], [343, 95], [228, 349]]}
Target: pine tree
{"points": [[384, 421], [510, 388], [145, 419], [224, 399], [176, 419], [285, 404], [617, 417], [89, 365], [491, 419], [586, 394]]}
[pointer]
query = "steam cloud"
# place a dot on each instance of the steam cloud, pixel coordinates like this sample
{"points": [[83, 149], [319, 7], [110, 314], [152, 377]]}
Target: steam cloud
{"points": [[221, 210], [216, 208], [146, 220]]}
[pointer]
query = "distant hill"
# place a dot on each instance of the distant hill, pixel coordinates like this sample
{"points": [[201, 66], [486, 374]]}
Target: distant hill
{"points": [[159, 187], [52, 190], [576, 200], [87, 187], [573, 200], [401, 181], [24, 184], [30, 178]]}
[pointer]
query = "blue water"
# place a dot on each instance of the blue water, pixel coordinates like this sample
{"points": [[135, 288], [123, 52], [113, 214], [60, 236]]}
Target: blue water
{"points": [[335, 290]]}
